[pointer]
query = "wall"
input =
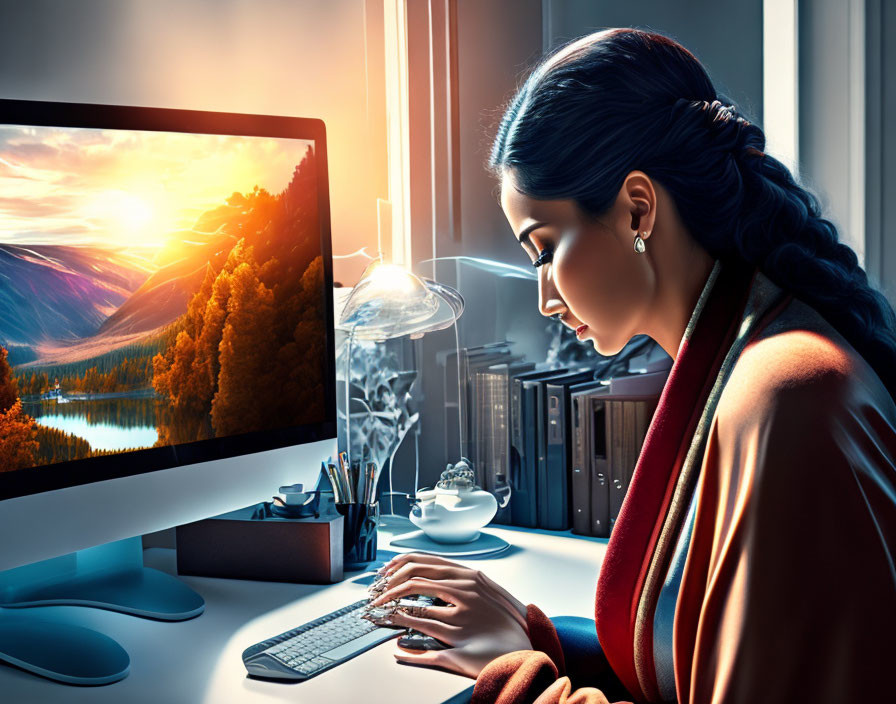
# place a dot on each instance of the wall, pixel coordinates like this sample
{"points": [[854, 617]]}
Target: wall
{"points": [[498, 41], [886, 178], [880, 147], [302, 58], [847, 95], [725, 36], [829, 117]]}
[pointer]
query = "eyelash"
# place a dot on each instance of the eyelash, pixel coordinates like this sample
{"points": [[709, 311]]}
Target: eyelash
{"points": [[544, 257]]}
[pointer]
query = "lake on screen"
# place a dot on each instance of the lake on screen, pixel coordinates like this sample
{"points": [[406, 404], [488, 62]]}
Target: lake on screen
{"points": [[115, 424]]}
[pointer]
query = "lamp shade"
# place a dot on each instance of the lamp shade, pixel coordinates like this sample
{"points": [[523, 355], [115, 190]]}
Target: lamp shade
{"points": [[391, 301]]}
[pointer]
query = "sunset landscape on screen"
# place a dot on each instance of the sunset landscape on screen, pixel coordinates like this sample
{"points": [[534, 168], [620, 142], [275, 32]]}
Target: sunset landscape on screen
{"points": [[156, 288]]}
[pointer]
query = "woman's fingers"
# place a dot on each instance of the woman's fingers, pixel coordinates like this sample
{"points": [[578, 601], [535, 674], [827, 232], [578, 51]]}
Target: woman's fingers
{"points": [[431, 567], [429, 658], [442, 570], [419, 557], [436, 629], [447, 659], [445, 614], [469, 581], [415, 569], [435, 567], [449, 590]]}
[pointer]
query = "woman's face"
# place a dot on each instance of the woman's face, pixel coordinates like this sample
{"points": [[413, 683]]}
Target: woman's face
{"points": [[592, 275]]}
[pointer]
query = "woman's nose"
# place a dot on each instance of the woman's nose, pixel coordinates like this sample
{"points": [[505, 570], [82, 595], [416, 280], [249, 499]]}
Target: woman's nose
{"points": [[549, 301]]}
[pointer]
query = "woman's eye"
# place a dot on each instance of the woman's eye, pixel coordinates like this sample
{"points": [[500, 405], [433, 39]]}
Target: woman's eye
{"points": [[544, 257]]}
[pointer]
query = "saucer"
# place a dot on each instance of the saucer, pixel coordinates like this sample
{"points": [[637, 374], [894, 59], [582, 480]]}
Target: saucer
{"points": [[418, 541]]}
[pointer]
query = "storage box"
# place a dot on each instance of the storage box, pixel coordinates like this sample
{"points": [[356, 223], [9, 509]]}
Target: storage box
{"points": [[236, 545]]}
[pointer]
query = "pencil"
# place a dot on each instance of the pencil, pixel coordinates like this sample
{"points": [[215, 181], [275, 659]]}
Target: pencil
{"points": [[347, 477], [369, 483], [338, 491]]}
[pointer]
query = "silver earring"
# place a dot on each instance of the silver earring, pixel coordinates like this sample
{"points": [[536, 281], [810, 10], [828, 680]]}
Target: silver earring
{"points": [[639, 243]]}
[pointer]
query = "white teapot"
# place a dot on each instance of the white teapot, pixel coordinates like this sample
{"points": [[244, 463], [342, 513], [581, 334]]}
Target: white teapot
{"points": [[455, 510]]}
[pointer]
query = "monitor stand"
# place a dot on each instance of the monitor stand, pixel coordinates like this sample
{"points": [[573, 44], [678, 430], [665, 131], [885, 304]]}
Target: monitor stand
{"points": [[109, 577]]}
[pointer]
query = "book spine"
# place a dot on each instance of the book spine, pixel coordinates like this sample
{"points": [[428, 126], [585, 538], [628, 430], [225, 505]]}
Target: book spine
{"points": [[524, 509], [580, 483], [501, 440], [600, 469], [541, 457], [452, 405], [643, 415], [515, 470], [631, 441], [556, 477], [485, 413], [564, 478], [476, 439], [464, 404], [616, 460]]}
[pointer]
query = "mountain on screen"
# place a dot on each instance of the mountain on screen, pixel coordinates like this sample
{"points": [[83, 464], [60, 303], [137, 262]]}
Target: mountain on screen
{"points": [[164, 295], [50, 292]]}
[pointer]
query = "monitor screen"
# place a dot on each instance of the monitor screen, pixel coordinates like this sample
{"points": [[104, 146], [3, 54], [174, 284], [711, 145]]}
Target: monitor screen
{"points": [[164, 288]]}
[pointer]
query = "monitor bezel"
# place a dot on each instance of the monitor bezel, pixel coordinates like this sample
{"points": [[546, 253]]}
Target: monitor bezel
{"points": [[25, 482]]}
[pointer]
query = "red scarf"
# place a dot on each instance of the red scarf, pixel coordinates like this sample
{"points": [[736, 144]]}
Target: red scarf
{"points": [[635, 534]]}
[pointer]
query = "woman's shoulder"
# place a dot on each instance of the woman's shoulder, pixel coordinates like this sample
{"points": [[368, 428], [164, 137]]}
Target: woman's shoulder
{"points": [[799, 362]]}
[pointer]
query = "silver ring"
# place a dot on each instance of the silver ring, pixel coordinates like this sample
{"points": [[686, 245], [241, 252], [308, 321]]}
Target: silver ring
{"points": [[413, 610]]}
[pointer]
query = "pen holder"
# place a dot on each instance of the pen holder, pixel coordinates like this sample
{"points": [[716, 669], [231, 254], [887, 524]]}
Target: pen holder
{"points": [[359, 532]]}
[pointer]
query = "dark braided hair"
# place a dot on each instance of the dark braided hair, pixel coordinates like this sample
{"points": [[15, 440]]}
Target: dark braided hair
{"points": [[626, 99]]}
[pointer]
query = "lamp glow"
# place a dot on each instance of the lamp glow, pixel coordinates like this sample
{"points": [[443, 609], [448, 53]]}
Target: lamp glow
{"points": [[391, 301]]}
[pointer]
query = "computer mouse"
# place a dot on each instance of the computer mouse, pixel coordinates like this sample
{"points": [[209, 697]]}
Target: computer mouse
{"points": [[415, 640]]}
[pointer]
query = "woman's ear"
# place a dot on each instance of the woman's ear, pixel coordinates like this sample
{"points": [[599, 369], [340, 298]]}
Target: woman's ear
{"points": [[641, 198]]}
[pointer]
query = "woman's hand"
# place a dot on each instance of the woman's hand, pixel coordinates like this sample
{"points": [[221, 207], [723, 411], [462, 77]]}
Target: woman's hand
{"points": [[484, 622]]}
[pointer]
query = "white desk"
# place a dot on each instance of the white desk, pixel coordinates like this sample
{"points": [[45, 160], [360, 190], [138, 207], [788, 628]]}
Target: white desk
{"points": [[199, 661]]}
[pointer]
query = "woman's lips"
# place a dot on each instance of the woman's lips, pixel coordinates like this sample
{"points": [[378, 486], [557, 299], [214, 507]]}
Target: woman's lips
{"points": [[580, 330]]}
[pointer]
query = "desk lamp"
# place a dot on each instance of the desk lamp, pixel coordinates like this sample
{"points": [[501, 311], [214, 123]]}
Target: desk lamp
{"points": [[388, 302]]}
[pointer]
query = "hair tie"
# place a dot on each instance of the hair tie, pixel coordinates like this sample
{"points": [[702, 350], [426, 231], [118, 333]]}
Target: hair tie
{"points": [[722, 120], [718, 114]]}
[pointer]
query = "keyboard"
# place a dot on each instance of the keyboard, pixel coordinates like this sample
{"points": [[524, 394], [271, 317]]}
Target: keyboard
{"points": [[316, 646]]}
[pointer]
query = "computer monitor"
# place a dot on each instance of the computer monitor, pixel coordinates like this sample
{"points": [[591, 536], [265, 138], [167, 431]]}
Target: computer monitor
{"points": [[166, 317]]}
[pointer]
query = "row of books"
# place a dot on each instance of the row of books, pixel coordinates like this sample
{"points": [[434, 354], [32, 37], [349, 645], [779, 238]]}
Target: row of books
{"points": [[608, 429], [563, 441]]}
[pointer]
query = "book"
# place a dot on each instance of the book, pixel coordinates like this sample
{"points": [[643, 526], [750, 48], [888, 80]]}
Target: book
{"points": [[616, 460], [627, 419], [580, 470], [472, 360], [489, 412], [515, 456], [452, 437], [524, 460], [555, 454], [600, 467], [495, 450], [649, 384], [468, 360], [630, 443]]}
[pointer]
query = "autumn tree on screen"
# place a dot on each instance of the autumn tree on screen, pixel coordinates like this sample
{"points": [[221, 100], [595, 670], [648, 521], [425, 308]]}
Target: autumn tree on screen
{"points": [[249, 352], [245, 382], [18, 446], [9, 391]]}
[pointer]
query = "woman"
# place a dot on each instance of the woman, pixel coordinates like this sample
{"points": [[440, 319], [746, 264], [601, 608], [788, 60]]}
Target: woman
{"points": [[753, 559]]}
